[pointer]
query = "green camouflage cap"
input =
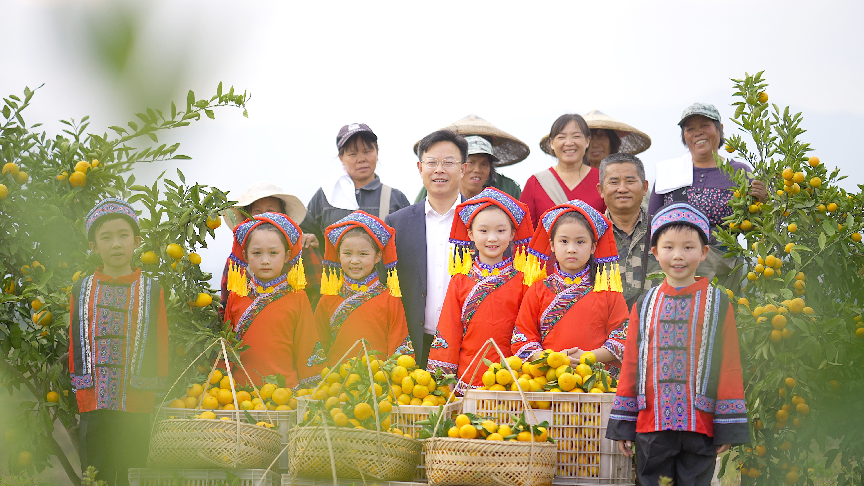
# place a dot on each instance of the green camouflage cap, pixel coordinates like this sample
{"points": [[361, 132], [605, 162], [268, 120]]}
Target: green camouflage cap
{"points": [[479, 145], [704, 109]]}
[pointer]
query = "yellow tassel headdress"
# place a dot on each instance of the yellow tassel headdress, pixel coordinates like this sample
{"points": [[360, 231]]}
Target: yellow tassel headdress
{"points": [[332, 277], [238, 281], [608, 275], [461, 259]]}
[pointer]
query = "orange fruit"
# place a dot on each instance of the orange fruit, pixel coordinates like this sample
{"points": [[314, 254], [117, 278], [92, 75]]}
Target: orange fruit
{"points": [[195, 258], [174, 251], [25, 458], [177, 404], [77, 179], [775, 336], [211, 402], [4, 191], [225, 397], [778, 321], [190, 402], [82, 166], [729, 148], [52, 397], [203, 300], [362, 411], [813, 161], [803, 409], [149, 258], [462, 420], [798, 177], [468, 431], [790, 382], [782, 415], [788, 173], [762, 97], [216, 377], [10, 168], [831, 208], [746, 225], [815, 182], [22, 177], [792, 228], [94, 163], [214, 222], [195, 390], [856, 237]]}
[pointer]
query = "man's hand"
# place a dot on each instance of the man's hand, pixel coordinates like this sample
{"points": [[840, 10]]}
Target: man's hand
{"points": [[310, 241], [626, 447], [723, 448], [758, 190]]}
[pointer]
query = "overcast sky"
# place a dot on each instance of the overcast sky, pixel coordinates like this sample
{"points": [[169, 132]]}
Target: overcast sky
{"points": [[408, 68]]}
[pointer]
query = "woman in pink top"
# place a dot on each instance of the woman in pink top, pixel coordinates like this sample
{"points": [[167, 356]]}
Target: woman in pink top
{"points": [[571, 178]]}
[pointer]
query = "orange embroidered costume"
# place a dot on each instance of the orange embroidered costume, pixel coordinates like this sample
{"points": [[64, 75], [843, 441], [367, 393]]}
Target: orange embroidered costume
{"points": [[561, 311], [274, 318], [482, 301], [351, 309]]}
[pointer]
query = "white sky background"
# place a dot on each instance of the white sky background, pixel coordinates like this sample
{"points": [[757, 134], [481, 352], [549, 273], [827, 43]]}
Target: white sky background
{"points": [[408, 68]]}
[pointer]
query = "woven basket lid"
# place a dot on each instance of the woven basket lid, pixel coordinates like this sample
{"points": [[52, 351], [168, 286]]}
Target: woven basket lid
{"points": [[509, 149], [633, 141]]}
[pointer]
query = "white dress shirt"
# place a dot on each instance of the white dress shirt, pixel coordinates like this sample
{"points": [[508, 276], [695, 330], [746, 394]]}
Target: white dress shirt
{"points": [[437, 254]]}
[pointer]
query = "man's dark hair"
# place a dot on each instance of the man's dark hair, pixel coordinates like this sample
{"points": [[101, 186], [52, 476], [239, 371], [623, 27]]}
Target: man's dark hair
{"points": [[621, 158], [443, 136]]}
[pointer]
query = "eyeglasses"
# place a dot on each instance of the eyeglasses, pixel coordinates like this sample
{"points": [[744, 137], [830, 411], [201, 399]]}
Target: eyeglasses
{"points": [[447, 163]]}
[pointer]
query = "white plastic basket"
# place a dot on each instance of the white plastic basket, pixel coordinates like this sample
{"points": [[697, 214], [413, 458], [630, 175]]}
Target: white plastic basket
{"points": [[202, 477], [577, 422], [406, 417]]}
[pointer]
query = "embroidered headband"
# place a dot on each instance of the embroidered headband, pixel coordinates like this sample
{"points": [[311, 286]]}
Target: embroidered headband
{"points": [[107, 206], [237, 281], [460, 261], [383, 235], [680, 213], [606, 254]]}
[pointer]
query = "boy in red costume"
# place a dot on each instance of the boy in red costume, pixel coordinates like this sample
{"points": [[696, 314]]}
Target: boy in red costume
{"points": [[680, 396], [118, 347]]}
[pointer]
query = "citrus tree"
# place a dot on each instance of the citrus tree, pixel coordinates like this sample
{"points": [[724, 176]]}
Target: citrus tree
{"points": [[800, 305], [48, 185]]}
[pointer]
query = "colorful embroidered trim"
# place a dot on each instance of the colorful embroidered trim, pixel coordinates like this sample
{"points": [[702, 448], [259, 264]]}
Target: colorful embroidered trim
{"points": [[350, 303]]}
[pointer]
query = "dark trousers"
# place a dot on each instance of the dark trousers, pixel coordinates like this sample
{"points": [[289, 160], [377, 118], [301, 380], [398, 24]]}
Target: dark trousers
{"points": [[422, 355], [687, 458], [113, 442]]}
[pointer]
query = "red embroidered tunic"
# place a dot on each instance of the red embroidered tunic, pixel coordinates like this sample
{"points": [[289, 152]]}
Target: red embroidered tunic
{"points": [[538, 202], [478, 306], [555, 315], [372, 314], [682, 367], [279, 332], [118, 342]]}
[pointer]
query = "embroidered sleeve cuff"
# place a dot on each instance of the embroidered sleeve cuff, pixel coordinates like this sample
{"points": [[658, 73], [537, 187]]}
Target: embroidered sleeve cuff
{"points": [[614, 347], [449, 368], [79, 382], [528, 349], [624, 409], [461, 386], [308, 382]]}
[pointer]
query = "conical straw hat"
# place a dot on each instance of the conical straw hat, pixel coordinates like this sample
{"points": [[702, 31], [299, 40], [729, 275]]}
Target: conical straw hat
{"points": [[633, 141], [507, 148]]}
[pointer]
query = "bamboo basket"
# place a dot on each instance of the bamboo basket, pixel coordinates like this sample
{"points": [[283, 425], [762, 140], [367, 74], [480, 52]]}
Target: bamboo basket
{"points": [[208, 443], [460, 462], [202, 443], [455, 462], [354, 453]]}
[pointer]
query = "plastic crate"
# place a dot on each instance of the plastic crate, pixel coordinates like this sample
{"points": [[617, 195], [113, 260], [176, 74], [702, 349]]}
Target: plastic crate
{"points": [[201, 477], [287, 481], [577, 422], [283, 420]]}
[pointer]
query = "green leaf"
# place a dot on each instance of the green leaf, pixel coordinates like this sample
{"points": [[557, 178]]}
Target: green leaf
{"points": [[210, 114], [822, 240]]}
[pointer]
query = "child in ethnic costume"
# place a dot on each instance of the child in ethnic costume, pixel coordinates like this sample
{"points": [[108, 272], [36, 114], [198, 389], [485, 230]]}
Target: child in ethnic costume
{"points": [[269, 310], [680, 396], [355, 303], [264, 197], [118, 347], [485, 293], [579, 307]]}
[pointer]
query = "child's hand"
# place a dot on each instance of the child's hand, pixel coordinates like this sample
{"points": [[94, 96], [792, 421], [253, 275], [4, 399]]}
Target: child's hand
{"points": [[310, 241], [626, 447], [573, 354], [723, 448]]}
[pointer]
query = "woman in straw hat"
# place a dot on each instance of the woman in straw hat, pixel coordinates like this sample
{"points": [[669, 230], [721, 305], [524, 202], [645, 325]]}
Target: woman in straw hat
{"points": [[571, 178], [608, 136], [488, 148], [261, 197], [357, 187]]}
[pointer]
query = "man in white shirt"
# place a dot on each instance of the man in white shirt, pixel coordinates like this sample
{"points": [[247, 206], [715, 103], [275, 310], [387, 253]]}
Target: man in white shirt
{"points": [[422, 236]]}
